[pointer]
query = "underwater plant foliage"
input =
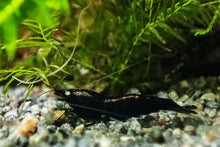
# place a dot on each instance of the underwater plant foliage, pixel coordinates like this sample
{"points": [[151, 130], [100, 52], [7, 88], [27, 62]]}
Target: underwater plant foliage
{"points": [[100, 45]]}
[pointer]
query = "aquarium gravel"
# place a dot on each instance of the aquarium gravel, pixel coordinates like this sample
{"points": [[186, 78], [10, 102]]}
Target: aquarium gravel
{"points": [[42, 124]]}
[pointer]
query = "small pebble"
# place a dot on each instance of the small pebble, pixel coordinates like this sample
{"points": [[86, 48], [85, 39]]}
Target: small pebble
{"points": [[212, 113], [164, 120], [18, 93], [157, 135], [79, 129], [173, 95], [135, 125], [6, 109], [13, 105], [25, 106], [167, 135], [27, 127], [117, 126], [103, 142], [37, 138], [34, 109], [4, 100], [22, 142], [4, 132], [207, 110], [127, 138], [176, 133], [58, 116], [71, 142], [208, 96], [184, 84], [7, 143], [197, 94], [51, 129], [66, 130], [212, 104], [216, 121], [183, 98], [48, 114], [66, 126], [133, 90], [53, 139], [100, 126], [11, 115], [145, 130], [162, 94], [189, 129], [201, 82]]}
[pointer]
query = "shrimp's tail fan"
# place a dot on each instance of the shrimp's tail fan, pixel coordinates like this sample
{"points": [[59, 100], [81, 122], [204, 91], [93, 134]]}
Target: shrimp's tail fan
{"points": [[190, 109]]}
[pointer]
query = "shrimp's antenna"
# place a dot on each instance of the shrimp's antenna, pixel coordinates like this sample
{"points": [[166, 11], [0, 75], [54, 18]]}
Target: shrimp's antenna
{"points": [[45, 93]]}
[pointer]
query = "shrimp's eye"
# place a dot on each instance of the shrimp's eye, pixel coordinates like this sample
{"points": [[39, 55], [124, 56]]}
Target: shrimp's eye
{"points": [[67, 93]]}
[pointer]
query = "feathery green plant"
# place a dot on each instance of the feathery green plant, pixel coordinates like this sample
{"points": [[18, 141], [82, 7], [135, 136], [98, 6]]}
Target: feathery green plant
{"points": [[116, 41], [13, 12]]}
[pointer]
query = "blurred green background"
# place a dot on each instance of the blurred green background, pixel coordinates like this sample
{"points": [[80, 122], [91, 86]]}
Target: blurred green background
{"points": [[102, 45]]}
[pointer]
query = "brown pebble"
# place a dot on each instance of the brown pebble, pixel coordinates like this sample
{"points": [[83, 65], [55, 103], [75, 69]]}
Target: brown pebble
{"points": [[145, 131], [58, 114], [27, 127], [79, 129], [164, 120]]}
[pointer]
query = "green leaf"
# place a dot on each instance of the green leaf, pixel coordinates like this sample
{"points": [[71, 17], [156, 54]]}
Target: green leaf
{"points": [[42, 75], [48, 34], [29, 90], [30, 43], [59, 5], [6, 86], [10, 36], [171, 31], [44, 51], [31, 23], [30, 77], [42, 14], [157, 34], [6, 77], [9, 10], [51, 28], [57, 67], [31, 38], [210, 24]]}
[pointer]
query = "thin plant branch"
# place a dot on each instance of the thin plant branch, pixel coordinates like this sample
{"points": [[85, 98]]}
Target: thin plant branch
{"points": [[70, 57]]}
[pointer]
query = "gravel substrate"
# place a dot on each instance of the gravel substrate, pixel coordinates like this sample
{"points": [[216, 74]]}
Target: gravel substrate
{"points": [[42, 125]]}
